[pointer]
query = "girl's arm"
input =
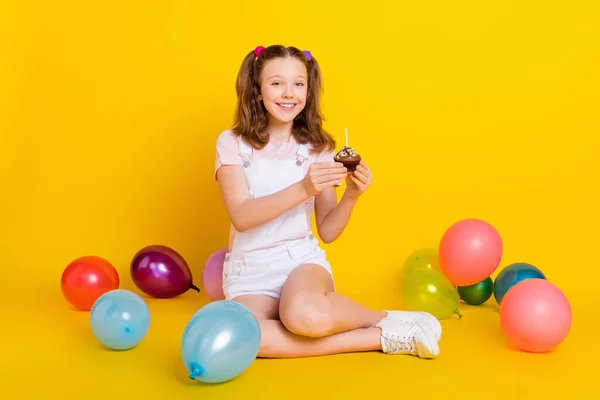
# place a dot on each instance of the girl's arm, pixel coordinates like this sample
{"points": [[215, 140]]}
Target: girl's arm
{"points": [[331, 216], [246, 212]]}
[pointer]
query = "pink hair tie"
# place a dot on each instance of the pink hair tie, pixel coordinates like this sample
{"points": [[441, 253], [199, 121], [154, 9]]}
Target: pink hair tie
{"points": [[258, 50]]}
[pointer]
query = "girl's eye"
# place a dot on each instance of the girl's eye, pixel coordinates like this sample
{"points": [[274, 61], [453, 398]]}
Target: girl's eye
{"points": [[279, 83]]}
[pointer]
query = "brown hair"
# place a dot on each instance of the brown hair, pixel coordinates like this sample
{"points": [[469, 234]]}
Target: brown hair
{"points": [[251, 116]]}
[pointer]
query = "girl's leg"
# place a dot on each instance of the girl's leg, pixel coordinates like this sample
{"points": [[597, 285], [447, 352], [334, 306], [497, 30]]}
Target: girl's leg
{"points": [[393, 337], [310, 307], [279, 342]]}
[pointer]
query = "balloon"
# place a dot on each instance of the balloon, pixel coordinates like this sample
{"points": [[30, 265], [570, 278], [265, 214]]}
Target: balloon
{"points": [[535, 315], [513, 274], [470, 251], [87, 278], [422, 258], [478, 293], [220, 341], [212, 275], [120, 319], [161, 272], [429, 290]]}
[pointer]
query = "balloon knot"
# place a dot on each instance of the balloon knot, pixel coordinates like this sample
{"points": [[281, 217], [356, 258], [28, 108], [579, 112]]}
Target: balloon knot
{"points": [[196, 288], [196, 370]]}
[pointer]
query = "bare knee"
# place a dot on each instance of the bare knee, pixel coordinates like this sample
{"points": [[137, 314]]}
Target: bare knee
{"points": [[307, 314]]}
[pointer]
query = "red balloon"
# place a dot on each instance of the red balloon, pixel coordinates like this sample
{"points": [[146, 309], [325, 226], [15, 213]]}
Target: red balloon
{"points": [[87, 278], [161, 272], [470, 251]]}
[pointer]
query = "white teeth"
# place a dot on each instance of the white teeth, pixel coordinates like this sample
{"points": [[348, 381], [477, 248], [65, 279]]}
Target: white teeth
{"points": [[288, 106]]}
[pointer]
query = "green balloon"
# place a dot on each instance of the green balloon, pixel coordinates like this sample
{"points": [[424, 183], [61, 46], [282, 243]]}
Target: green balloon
{"points": [[422, 258], [477, 293], [429, 290]]}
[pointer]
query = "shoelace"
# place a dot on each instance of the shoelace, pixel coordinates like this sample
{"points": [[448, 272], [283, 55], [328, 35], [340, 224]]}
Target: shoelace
{"points": [[396, 343]]}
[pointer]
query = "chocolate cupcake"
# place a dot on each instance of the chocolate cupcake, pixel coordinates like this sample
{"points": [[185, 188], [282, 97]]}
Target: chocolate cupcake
{"points": [[349, 157]]}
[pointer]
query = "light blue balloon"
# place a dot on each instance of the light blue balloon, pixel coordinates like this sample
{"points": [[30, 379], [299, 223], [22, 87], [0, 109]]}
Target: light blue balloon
{"points": [[120, 319], [220, 341]]}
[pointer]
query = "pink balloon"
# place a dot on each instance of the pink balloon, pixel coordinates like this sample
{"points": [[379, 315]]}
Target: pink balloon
{"points": [[212, 275], [535, 315], [470, 251]]}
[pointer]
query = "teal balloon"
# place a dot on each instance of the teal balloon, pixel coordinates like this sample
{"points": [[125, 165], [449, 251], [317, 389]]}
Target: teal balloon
{"points": [[220, 341], [513, 274], [120, 319]]}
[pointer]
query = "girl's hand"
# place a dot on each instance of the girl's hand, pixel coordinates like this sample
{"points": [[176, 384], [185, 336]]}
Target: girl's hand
{"points": [[322, 175], [358, 182]]}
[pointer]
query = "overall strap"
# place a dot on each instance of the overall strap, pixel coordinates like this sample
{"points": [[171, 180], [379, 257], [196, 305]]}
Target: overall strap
{"points": [[302, 154], [245, 152]]}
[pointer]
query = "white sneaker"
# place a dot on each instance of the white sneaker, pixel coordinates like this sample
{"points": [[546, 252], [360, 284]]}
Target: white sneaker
{"points": [[403, 338], [419, 318]]}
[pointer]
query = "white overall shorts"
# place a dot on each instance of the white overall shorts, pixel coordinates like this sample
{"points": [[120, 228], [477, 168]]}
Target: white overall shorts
{"points": [[262, 258]]}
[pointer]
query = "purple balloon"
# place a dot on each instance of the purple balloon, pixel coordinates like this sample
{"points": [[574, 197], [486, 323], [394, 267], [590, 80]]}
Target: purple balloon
{"points": [[212, 275], [160, 271]]}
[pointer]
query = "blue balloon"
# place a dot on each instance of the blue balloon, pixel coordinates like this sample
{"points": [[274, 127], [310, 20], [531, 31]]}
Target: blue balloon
{"points": [[120, 319], [220, 341], [513, 274]]}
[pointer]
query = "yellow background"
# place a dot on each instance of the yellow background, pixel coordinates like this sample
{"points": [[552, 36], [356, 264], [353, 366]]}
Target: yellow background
{"points": [[108, 119]]}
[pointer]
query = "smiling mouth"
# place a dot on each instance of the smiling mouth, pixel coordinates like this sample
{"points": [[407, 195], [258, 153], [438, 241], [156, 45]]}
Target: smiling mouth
{"points": [[286, 106]]}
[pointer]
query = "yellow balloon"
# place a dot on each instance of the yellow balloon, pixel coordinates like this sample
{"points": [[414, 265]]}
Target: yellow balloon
{"points": [[422, 258], [429, 290]]}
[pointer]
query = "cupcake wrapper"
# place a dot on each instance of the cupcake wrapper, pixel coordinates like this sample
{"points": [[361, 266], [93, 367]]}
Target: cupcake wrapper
{"points": [[351, 166]]}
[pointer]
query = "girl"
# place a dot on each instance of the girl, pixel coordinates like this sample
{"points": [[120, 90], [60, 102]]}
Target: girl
{"points": [[274, 168]]}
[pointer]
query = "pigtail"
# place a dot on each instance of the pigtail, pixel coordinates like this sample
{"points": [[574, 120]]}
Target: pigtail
{"points": [[245, 91], [245, 76], [250, 121]]}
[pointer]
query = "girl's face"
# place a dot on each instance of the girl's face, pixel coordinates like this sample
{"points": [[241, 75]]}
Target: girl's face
{"points": [[283, 89]]}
